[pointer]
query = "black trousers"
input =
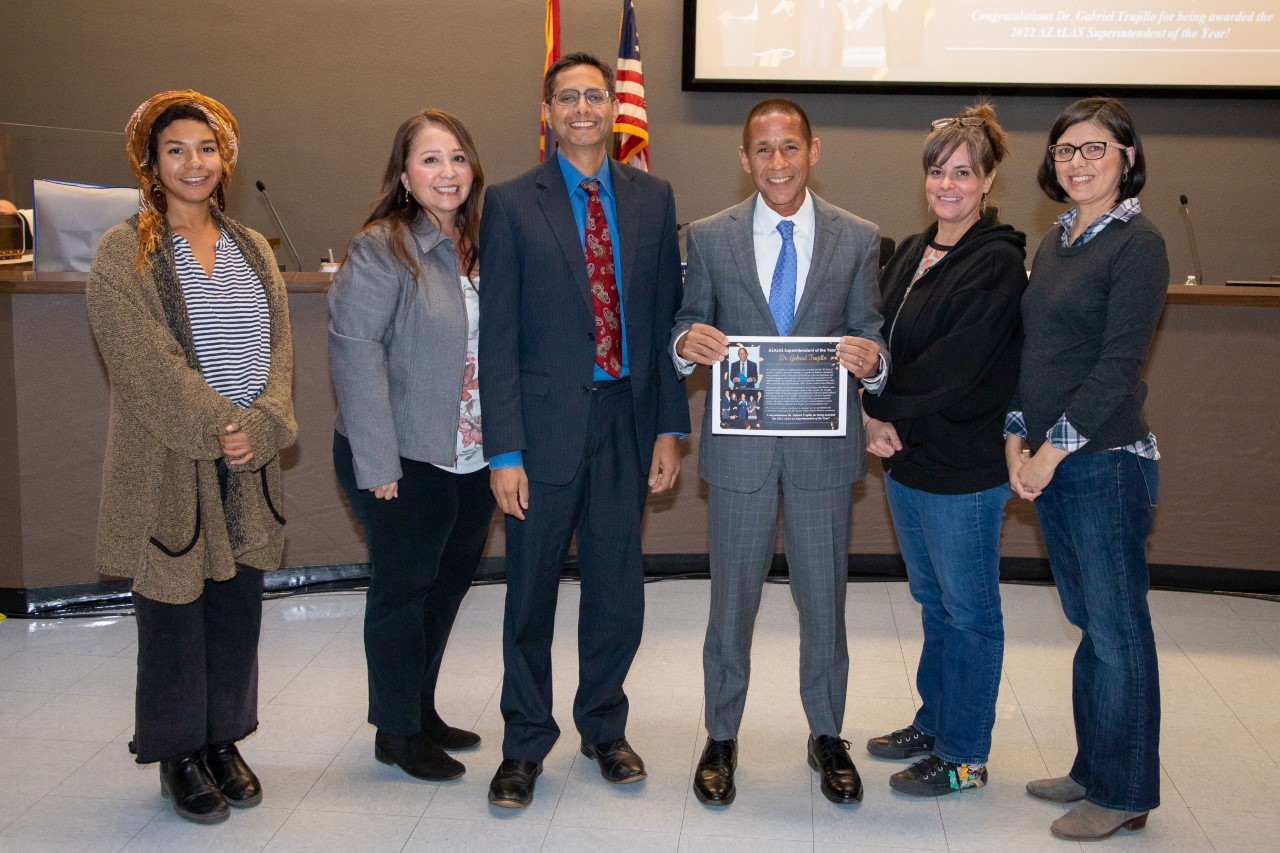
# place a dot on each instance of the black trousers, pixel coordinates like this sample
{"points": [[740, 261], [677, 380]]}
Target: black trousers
{"points": [[198, 668], [425, 546], [602, 505]]}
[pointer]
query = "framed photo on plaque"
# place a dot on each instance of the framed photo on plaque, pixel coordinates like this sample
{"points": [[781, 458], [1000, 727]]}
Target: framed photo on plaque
{"points": [[780, 386]]}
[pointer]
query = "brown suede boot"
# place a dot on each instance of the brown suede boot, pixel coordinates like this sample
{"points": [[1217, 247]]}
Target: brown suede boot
{"points": [[1060, 789]]}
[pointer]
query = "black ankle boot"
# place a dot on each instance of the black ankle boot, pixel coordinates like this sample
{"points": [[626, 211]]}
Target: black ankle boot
{"points": [[446, 736], [417, 756], [239, 784], [187, 783]]}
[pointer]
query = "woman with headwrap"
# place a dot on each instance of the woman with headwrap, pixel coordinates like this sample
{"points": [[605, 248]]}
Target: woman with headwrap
{"points": [[191, 317]]}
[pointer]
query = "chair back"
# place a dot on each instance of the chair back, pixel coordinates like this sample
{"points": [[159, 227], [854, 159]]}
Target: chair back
{"points": [[70, 219]]}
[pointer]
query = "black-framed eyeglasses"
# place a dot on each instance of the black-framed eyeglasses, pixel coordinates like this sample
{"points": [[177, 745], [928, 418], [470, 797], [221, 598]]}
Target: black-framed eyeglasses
{"points": [[569, 97], [1088, 150], [963, 121]]}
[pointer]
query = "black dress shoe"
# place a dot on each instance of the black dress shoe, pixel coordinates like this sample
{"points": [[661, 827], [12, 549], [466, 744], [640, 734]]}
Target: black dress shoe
{"points": [[417, 756], [187, 783], [618, 762], [713, 780], [829, 755], [512, 785], [239, 785], [446, 736]]}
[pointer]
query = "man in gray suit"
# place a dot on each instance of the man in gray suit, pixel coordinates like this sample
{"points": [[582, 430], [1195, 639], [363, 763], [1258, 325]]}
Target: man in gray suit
{"points": [[783, 262]]}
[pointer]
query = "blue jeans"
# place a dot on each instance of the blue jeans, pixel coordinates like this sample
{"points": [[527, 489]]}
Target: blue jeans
{"points": [[951, 545], [1095, 515]]}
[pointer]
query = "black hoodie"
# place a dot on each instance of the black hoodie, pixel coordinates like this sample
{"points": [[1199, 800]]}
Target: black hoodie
{"points": [[955, 343]]}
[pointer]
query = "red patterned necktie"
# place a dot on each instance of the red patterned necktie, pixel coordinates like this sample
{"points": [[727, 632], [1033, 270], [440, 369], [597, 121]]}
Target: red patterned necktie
{"points": [[604, 287]]}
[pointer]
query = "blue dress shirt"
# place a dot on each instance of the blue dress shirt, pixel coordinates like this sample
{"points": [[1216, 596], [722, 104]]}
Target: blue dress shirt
{"points": [[578, 201]]}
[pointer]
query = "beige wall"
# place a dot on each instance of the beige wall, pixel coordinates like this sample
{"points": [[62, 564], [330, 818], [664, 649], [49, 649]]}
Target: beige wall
{"points": [[320, 86]]}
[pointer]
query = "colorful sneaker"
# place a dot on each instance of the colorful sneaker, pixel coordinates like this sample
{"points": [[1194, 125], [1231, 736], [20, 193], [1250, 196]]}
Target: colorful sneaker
{"points": [[903, 743], [933, 777]]}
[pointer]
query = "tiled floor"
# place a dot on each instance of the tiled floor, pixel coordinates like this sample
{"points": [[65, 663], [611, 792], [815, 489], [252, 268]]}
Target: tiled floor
{"points": [[67, 781]]}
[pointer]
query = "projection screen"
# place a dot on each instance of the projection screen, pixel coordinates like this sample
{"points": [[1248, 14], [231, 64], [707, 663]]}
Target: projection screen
{"points": [[1229, 47]]}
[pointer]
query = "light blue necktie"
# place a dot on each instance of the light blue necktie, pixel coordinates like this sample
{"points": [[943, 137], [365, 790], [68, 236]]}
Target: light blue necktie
{"points": [[782, 293]]}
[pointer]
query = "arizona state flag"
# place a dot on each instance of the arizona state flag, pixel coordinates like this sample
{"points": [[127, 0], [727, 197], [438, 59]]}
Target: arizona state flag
{"points": [[551, 29]]}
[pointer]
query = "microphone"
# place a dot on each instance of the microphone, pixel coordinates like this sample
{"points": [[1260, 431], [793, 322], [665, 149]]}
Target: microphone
{"points": [[262, 188], [1191, 238]]}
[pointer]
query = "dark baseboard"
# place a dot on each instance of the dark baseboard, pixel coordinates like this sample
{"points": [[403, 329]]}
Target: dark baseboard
{"points": [[296, 579], [107, 595], [69, 600]]}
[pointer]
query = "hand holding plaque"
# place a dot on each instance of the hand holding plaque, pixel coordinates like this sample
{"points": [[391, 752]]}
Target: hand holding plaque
{"points": [[859, 356]]}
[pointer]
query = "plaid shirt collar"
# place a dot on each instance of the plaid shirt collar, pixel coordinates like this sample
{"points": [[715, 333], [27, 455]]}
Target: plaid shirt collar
{"points": [[1122, 212]]}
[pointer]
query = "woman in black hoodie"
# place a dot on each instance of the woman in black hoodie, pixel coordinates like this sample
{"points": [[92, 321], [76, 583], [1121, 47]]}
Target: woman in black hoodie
{"points": [[951, 301]]}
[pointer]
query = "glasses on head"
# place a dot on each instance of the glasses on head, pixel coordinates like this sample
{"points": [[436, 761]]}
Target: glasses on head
{"points": [[569, 97], [1089, 150], [962, 121]]}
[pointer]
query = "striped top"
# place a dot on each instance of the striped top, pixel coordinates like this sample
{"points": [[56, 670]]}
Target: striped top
{"points": [[230, 321]]}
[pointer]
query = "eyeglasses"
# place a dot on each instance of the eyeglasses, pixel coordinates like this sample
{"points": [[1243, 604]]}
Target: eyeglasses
{"points": [[569, 97], [1090, 151], [963, 121]]}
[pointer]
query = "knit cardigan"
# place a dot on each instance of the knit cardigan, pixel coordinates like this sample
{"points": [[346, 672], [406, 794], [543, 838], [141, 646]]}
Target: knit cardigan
{"points": [[165, 521]]}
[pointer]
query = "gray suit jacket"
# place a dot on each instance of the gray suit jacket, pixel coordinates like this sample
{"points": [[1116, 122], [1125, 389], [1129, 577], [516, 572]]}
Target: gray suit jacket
{"points": [[841, 297], [397, 352]]}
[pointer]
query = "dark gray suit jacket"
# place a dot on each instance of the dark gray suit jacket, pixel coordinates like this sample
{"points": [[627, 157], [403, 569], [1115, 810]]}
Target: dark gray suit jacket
{"points": [[537, 327], [841, 297]]}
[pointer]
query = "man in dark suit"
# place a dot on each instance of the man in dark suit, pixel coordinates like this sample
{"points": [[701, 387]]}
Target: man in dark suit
{"points": [[582, 411], [783, 262], [743, 373]]}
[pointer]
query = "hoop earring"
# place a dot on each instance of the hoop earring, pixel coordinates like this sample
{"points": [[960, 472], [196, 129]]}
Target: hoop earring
{"points": [[1124, 176], [220, 198], [158, 200]]}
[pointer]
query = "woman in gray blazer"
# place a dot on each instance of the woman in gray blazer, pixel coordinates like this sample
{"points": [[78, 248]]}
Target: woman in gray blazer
{"points": [[403, 338]]}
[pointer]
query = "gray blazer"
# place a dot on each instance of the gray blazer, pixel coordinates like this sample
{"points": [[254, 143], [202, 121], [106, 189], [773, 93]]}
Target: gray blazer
{"points": [[841, 297], [397, 352]]}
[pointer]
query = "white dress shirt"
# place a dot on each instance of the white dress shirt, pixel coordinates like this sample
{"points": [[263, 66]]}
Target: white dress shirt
{"points": [[768, 243]]}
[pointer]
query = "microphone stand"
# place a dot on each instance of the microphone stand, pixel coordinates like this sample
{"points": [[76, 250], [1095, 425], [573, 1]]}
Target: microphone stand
{"points": [[1191, 238], [262, 188]]}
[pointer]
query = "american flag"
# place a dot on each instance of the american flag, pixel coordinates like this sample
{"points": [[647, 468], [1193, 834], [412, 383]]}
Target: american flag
{"points": [[632, 123], [551, 29]]}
